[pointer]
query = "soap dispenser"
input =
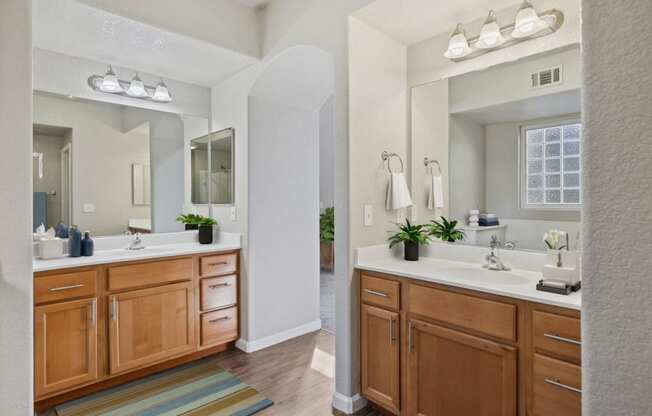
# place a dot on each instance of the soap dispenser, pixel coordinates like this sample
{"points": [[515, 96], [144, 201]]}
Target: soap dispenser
{"points": [[74, 242], [87, 245]]}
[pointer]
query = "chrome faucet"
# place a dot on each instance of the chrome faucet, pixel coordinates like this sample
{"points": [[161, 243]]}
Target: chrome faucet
{"points": [[492, 260], [136, 243]]}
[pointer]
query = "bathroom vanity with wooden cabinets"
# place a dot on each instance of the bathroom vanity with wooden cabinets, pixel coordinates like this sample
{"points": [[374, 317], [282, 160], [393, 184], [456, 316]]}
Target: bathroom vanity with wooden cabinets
{"points": [[103, 325], [431, 349]]}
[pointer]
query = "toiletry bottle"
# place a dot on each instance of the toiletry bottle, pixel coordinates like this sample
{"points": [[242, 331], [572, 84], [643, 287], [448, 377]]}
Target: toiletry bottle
{"points": [[61, 230], [74, 241], [87, 245]]}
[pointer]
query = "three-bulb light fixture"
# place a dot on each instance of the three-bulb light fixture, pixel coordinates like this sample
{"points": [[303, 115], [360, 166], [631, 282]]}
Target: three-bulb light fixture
{"points": [[136, 88], [527, 24]]}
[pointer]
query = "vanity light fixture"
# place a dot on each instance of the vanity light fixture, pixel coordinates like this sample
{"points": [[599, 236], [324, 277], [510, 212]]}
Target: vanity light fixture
{"points": [[136, 88], [458, 45], [490, 36], [528, 24]]}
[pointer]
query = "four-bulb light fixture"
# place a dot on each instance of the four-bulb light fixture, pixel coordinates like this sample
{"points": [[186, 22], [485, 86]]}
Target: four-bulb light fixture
{"points": [[136, 88], [528, 24]]}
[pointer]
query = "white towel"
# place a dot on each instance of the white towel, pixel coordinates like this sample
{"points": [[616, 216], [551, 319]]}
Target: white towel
{"points": [[398, 195], [435, 193]]}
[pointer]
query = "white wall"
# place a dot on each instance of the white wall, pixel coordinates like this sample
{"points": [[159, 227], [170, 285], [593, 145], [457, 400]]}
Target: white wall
{"points": [[102, 157], [429, 138], [467, 166], [616, 307], [16, 283], [426, 62], [327, 154]]}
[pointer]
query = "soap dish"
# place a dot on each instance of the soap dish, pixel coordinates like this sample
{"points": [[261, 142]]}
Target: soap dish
{"points": [[567, 290]]}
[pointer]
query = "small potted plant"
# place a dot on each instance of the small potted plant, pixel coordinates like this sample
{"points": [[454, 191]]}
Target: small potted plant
{"points": [[445, 230], [191, 221], [206, 230], [326, 237], [411, 236]]}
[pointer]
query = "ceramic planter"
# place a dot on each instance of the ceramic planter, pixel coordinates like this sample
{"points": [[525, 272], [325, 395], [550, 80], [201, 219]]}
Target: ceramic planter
{"points": [[205, 234], [411, 251]]}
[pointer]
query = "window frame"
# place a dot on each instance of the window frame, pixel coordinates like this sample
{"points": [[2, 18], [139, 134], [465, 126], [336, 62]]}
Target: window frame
{"points": [[522, 165]]}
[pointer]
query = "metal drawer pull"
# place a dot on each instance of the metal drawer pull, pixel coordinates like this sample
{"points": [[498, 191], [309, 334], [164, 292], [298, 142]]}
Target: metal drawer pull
{"points": [[218, 285], [219, 263], [59, 289], [562, 339], [373, 292], [223, 318], [563, 386]]}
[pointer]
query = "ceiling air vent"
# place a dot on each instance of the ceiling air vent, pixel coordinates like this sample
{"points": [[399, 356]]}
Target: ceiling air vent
{"points": [[547, 77]]}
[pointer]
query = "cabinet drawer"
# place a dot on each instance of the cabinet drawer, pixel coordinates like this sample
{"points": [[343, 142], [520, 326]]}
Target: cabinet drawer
{"points": [[150, 274], [558, 335], [64, 286], [380, 292], [219, 264], [218, 292], [489, 317], [219, 327], [557, 388]]}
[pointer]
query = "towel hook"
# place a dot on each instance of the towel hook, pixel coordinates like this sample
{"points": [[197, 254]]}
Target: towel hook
{"points": [[387, 157], [429, 162]]}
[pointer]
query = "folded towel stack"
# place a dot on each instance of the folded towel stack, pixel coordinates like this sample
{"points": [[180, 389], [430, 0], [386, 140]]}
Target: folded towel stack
{"points": [[488, 220], [474, 218]]}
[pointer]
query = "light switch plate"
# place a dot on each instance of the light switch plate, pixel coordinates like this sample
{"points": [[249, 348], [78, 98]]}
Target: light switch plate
{"points": [[234, 213], [368, 215], [89, 208]]}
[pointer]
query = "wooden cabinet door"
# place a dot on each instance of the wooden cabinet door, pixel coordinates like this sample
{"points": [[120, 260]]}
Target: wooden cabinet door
{"points": [[150, 325], [380, 357], [65, 345], [454, 374]]}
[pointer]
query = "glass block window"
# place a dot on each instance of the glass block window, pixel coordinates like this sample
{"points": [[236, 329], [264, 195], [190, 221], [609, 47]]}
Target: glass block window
{"points": [[552, 165]]}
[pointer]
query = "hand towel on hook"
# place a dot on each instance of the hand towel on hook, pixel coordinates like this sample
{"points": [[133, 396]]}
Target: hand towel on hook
{"points": [[435, 192], [398, 195]]}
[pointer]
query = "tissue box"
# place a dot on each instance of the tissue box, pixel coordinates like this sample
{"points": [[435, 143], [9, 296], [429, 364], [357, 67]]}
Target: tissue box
{"points": [[50, 248], [568, 275]]}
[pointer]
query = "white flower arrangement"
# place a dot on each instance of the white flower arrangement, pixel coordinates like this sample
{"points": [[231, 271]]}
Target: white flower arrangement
{"points": [[556, 240]]}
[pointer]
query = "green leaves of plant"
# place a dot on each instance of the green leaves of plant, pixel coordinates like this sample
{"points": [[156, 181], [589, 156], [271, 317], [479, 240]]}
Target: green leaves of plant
{"points": [[327, 225], [196, 219], [445, 230], [409, 233]]}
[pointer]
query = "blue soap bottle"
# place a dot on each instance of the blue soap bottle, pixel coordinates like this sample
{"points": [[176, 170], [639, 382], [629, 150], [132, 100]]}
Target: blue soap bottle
{"points": [[87, 245], [74, 242]]}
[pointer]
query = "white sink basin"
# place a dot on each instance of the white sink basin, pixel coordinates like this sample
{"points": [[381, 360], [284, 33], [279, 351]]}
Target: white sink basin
{"points": [[484, 275]]}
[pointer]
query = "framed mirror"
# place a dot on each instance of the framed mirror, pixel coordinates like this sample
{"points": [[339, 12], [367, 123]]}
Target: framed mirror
{"points": [[213, 153]]}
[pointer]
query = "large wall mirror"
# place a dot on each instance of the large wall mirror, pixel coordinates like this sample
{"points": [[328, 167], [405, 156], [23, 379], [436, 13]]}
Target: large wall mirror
{"points": [[111, 168], [212, 160], [508, 140]]}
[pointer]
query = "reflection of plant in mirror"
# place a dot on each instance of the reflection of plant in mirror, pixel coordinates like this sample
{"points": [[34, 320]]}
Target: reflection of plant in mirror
{"points": [[445, 230], [327, 225], [194, 219], [409, 233]]}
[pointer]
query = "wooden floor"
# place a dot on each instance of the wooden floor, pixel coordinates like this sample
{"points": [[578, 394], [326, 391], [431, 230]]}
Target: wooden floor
{"points": [[298, 375]]}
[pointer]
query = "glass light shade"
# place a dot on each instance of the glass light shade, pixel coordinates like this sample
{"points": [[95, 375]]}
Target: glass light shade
{"points": [[137, 88], [527, 22], [110, 83], [162, 94], [490, 36], [458, 45]]}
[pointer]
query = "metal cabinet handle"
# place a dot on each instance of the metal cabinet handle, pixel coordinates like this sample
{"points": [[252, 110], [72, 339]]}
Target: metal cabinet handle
{"points": [[391, 331], [223, 318], [562, 339], [59, 289], [114, 309], [93, 312], [563, 386], [219, 263], [410, 336], [218, 285], [373, 292]]}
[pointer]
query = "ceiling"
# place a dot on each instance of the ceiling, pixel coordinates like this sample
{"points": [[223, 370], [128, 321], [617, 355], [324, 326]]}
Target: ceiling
{"points": [[72, 28], [412, 21], [253, 3]]}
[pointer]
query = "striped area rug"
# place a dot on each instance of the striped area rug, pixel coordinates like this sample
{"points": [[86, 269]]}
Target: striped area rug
{"points": [[196, 389]]}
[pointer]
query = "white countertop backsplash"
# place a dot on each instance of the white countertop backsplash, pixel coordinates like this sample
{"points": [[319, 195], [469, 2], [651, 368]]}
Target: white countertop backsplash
{"points": [[461, 266], [113, 249]]}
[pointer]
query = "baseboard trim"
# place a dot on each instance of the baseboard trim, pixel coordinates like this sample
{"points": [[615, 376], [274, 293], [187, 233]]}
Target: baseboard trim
{"points": [[268, 341], [348, 405]]}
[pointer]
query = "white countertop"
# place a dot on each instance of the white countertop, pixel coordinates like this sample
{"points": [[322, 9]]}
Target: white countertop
{"points": [[517, 283], [172, 244]]}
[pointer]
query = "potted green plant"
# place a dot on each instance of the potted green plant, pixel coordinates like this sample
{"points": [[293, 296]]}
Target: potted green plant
{"points": [[445, 230], [191, 221], [327, 237], [411, 236], [206, 230]]}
